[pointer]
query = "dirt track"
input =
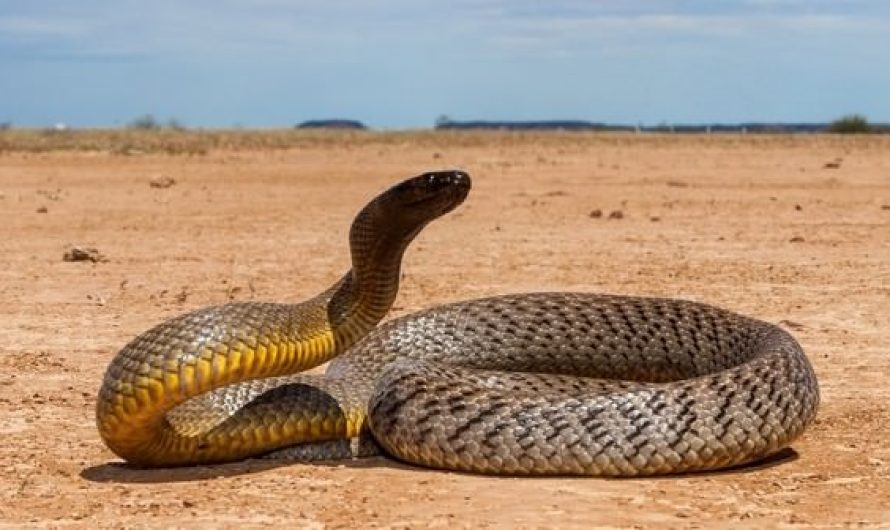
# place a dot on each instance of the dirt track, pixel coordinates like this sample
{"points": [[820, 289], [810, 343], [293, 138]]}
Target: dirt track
{"points": [[794, 230]]}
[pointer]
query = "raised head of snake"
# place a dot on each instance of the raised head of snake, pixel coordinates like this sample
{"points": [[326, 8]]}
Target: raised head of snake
{"points": [[222, 346], [383, 229]]}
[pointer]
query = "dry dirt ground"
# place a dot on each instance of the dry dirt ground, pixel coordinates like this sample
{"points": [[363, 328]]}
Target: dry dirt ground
{"points": [[794, 230]]}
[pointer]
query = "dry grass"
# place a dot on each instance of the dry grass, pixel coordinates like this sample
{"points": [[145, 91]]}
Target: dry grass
{"points": [[132, 142]]}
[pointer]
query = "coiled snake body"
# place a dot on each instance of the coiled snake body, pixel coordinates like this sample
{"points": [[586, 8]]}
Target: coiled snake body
{"points": [[544, 383]]}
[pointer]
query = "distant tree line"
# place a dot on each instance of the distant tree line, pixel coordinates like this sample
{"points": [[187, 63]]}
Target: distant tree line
{"points": [[147, 122], [853, 123], [445, 123], [849, 124], [332, 124]]}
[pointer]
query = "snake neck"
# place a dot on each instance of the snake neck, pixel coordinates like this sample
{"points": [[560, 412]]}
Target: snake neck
{"points": [[365, 294]]}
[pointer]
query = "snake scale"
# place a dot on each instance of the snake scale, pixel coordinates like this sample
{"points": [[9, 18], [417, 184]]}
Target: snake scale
{"points": [[541, 383]]}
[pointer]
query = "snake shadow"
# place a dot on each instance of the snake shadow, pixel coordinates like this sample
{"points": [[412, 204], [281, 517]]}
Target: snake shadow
{"points": [[119, 472], [123, 473], [782, 457]]}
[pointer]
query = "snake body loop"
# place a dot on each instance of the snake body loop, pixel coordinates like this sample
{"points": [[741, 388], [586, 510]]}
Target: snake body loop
{"points": [[541, 383]]}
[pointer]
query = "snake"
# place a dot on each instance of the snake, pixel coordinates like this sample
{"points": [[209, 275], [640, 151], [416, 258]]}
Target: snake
{"points": [[549, 383]]}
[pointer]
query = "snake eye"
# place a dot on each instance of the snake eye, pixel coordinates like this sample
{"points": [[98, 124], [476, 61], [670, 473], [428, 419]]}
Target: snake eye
{"points": [[428, 195], [442, 179]]}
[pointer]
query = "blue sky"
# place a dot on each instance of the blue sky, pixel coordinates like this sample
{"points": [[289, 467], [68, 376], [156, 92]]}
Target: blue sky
{"points": [[402, 63]]}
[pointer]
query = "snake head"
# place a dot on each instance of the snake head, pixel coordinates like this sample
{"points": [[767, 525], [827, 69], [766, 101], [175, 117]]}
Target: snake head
{"points": [[404, 209], [429, 195], [385, 227]]}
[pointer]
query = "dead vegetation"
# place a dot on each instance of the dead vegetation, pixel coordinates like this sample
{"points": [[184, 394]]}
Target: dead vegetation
{"points": [[198, 142]]}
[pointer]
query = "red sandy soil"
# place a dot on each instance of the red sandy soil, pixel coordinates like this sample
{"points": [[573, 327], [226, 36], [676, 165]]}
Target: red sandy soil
{"points": [[794, 230]]}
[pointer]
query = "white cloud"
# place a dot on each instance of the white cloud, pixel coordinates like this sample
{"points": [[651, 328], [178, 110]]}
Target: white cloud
{"points": [[29, 26], [203, 28]]}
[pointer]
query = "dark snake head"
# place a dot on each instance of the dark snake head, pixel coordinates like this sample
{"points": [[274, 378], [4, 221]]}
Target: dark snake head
{"points": [[385, 227], [427, 196]]}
